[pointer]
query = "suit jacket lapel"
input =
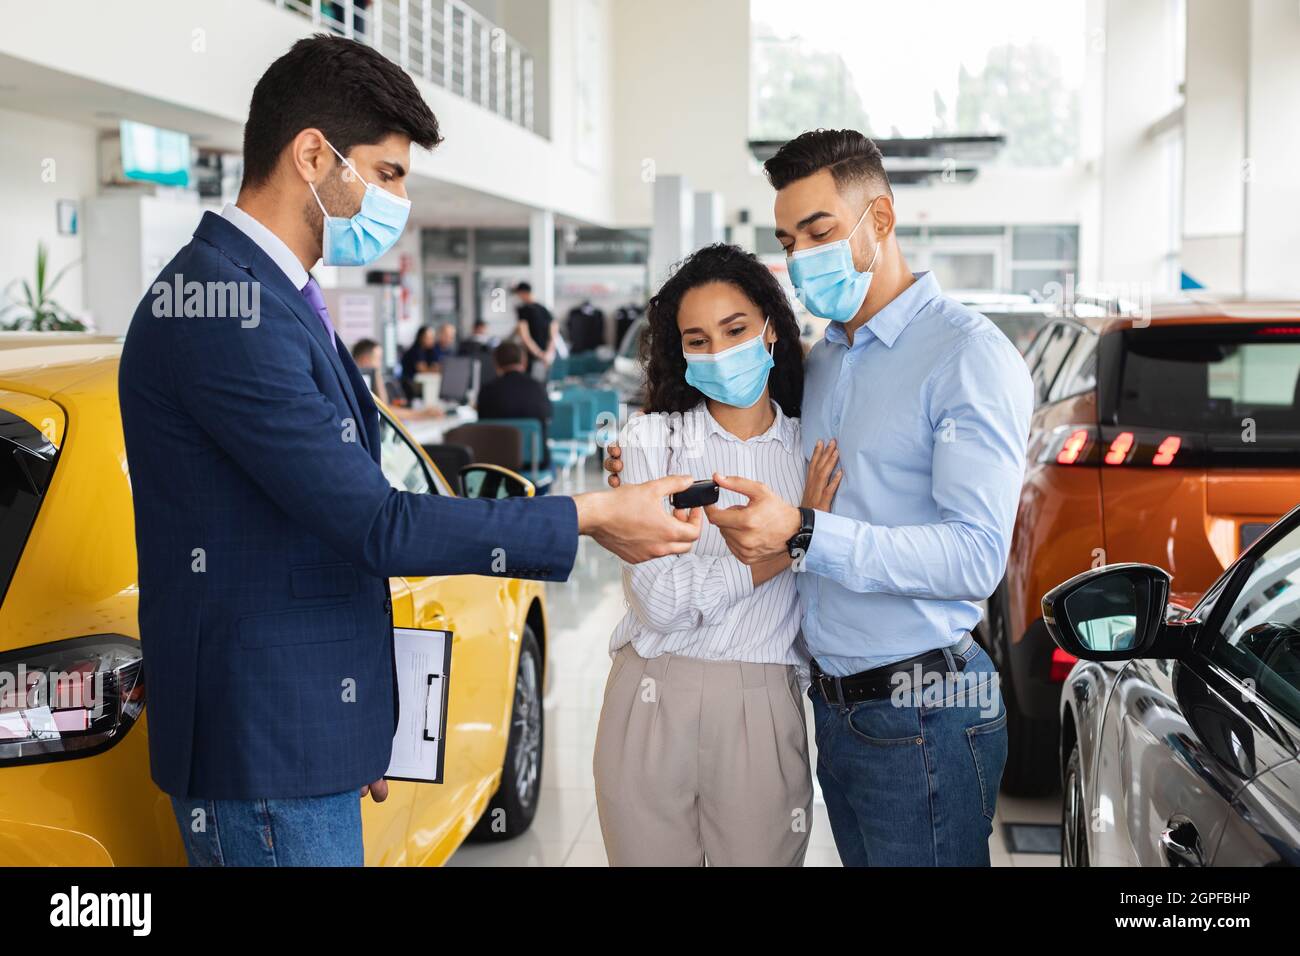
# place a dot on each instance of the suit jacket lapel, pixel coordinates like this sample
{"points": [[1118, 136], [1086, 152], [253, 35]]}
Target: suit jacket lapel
{"points": [[369, 410], [247, 254]]}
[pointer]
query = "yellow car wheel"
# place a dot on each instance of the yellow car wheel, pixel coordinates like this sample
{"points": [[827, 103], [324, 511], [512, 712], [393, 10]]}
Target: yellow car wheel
{"points": [[513, 807]]}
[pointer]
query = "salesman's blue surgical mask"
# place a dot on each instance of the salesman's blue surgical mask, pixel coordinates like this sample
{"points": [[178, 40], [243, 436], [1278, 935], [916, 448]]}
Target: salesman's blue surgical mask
{"points": [[827, 281], [363, 238], [734, 376]]}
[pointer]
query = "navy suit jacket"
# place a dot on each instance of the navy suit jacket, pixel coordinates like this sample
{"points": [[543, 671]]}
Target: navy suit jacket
{"points": [[266, 532]]}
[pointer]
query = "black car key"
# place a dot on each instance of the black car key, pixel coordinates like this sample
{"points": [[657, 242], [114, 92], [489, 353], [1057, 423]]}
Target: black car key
{"points": [[698, 495]]}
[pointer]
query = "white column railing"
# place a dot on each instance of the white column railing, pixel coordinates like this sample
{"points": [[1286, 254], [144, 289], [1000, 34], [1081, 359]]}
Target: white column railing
{"points": [[454, 39]]}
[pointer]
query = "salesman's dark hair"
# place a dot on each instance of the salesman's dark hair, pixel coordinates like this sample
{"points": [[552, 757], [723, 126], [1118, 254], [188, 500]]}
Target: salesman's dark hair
{"points": [[661, 345], [852, 159], [347, 90]]}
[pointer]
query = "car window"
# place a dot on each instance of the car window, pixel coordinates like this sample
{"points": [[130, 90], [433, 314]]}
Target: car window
{"points": [[1057, 346], [1209, 378], [1079, 374], [1259, 640], [403, 466], [26, 460], [1035, 350]]}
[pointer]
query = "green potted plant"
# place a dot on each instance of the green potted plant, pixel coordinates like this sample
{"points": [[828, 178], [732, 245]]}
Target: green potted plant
{"points": [[30, 306]]}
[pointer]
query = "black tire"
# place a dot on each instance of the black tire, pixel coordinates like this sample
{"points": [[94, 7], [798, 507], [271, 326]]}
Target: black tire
{"points": [[514, 805], [1032, 768], [1074, 814]]}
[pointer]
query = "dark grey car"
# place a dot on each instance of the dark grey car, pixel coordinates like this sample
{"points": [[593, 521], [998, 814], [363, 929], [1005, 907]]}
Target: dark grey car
{"points": [[1180, 729]]}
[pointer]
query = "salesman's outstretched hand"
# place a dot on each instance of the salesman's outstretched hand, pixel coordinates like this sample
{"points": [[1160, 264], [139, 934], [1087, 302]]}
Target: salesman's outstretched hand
{"points": [[757, 531], [632, 521]]}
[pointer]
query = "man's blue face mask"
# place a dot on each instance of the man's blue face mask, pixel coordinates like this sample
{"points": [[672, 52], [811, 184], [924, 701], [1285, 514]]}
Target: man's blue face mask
{"points": [[828, 284], [734, 376], [363, 238]]}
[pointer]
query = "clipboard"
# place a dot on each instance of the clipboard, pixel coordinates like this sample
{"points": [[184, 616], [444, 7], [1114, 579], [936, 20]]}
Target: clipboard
{"points": [[423, 661]]}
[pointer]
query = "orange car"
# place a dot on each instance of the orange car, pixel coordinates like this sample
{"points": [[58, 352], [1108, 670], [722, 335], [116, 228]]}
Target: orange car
{"points": [[1172, 441]]}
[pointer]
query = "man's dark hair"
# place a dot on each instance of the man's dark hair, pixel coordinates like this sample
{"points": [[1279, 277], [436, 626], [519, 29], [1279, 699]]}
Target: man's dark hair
{"points": [[363, 348], [852, 159], [522, 287], [507, 355], [349, 91]]}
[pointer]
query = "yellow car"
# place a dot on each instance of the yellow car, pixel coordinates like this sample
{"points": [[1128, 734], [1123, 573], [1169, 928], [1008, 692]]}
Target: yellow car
{"points": [[74, 781]]}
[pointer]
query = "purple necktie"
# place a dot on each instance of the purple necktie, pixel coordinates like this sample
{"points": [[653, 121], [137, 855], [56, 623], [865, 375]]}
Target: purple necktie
{"points": [[311, 292]]}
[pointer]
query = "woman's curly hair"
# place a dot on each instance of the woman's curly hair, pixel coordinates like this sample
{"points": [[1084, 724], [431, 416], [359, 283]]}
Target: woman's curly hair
{"points": [[661, 345]]}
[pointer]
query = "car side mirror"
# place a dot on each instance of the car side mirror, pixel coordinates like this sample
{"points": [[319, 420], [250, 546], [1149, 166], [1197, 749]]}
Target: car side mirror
{"points": [[493, 481], [1116, 613]]}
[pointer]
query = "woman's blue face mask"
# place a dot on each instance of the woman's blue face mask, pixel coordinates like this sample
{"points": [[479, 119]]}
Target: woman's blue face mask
{"points": [[361, 239], [734, 376]]}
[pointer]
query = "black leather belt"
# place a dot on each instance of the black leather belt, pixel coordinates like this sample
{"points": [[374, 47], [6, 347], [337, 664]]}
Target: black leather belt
{"points": [[879, 683]]}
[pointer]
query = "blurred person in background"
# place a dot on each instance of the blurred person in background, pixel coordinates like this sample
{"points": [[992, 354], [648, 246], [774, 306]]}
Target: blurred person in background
{"points": [[516, 394], [538, 331], [420, 357], [445, 343], [369, 356]]}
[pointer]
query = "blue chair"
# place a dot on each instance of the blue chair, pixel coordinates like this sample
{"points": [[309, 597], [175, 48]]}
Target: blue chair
{"points": [[604, 411], [593, 366], [567, 450], [530, 430], [560, 369]]}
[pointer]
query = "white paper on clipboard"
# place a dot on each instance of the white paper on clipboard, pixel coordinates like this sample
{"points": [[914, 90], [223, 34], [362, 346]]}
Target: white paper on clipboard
{"points": [[423, 668]]}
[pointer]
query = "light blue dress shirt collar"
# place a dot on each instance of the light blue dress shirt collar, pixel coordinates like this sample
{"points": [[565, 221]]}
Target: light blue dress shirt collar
{"points": [[888, 324]]}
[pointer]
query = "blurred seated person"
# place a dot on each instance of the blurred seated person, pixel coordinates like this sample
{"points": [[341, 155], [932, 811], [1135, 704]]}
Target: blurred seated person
{"points": [[445, 344], [369, 356], [515, 394], [420, 357], [479, 343], [480, 346]]}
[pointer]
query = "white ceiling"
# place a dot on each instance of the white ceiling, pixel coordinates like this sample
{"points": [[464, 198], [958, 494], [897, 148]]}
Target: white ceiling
{"points": [[30, 88]]}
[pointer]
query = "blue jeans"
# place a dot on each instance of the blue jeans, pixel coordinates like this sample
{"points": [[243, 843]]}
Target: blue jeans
{"points": [[913, 780], [302, 831]]}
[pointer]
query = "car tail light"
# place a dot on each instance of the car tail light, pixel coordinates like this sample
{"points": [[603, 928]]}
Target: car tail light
{"points": [[70, 698], [1119, 449], [1088, 445], [1073, 447], [1062, 661], [1168, 449]]}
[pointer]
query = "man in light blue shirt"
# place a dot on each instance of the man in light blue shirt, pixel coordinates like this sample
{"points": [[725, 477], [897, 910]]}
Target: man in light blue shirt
{"points": [[928, 405]]}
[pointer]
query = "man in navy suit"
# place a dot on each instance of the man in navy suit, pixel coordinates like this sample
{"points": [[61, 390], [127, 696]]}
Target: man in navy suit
{"points": [[265, 527]]}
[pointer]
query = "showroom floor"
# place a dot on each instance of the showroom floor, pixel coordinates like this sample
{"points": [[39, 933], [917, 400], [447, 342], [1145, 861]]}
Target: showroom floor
{"points": [[567, 831]]}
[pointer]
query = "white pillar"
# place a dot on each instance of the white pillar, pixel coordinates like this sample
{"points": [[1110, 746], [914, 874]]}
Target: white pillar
{"points": [[673, 228], [1137, 207], [709, 224], [1272, 223], [1214, 143], [541, 256]]}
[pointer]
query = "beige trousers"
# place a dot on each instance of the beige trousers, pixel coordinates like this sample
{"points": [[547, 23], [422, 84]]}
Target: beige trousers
{"points": [[702, 761]]}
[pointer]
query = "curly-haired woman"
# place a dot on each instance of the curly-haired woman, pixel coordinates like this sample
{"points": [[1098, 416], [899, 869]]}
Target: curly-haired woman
{"points": [[701, 752]]}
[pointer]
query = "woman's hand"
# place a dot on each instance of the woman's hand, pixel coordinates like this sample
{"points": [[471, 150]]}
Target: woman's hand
{"points": [[823, 477]]}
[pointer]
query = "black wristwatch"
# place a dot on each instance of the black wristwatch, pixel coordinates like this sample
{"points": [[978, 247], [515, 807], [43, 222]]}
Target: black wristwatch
{"points": [[798, 545]]}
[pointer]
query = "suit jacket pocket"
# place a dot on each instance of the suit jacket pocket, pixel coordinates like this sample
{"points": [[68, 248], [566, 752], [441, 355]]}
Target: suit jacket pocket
{"points": [[316, 625], [323, 580]]}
